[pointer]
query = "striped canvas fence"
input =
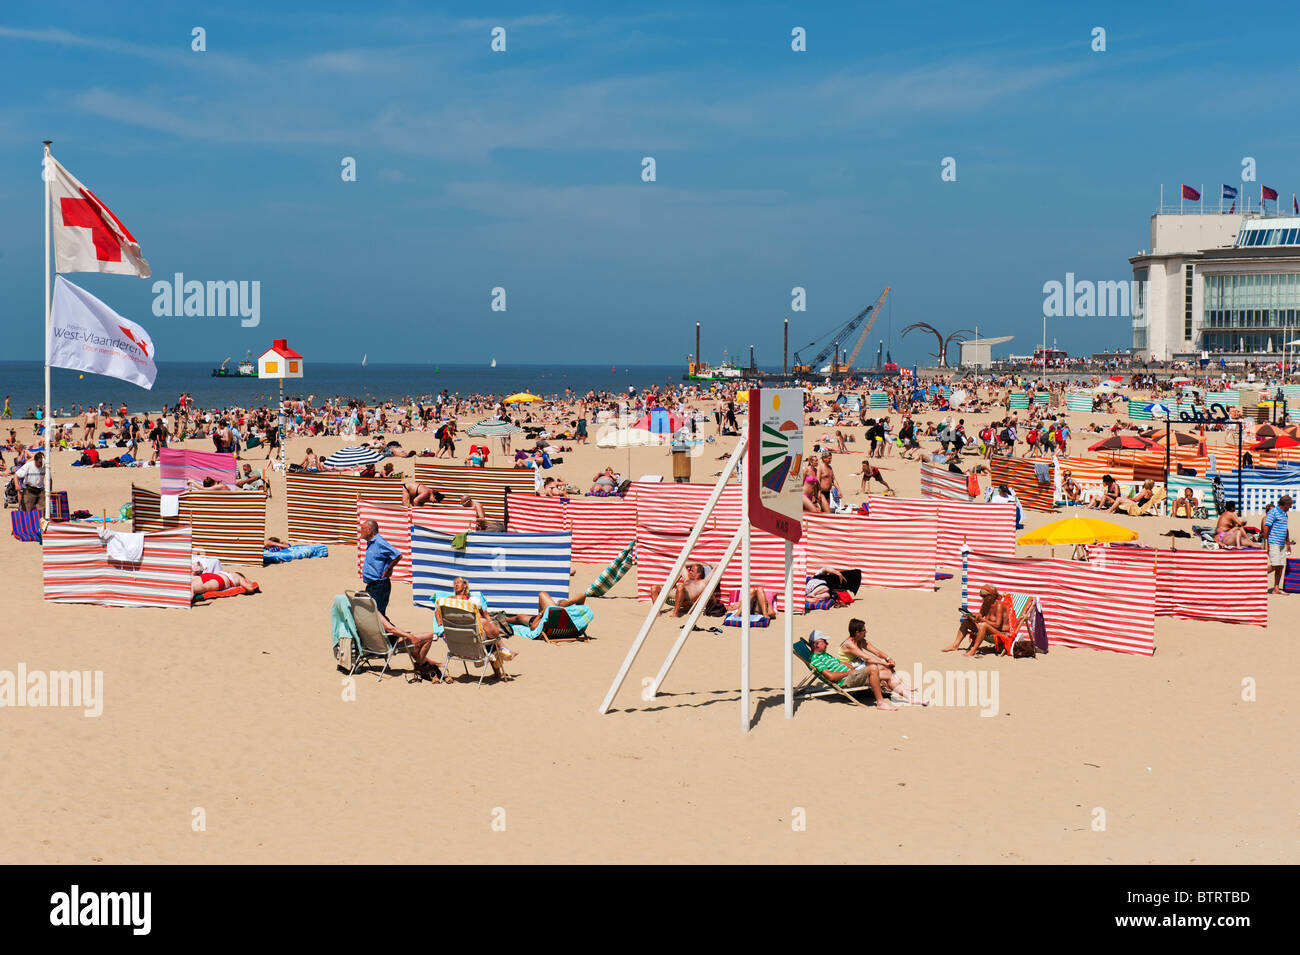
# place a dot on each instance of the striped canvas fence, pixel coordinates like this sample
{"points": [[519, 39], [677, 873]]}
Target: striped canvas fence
{"points": [[176, 465], [676, 507], [1019, 475], [395, 527], [988, 528], [921, 510], [939, 482], [510, 570], [1201, 487], [1018, 400], [656, 550], [1078, 401], [878, 401], [323, 507], [602, 528], [1083, 606], [890, 552], [1260, 491], [1228, 586], [485, 485], [530, 514], [1042, 398], [1140, 411], [1229, 399], [226, 524], [76, 569]]}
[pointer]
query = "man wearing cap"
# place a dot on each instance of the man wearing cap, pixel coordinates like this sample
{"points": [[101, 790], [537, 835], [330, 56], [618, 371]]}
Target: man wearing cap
{"points": [[991, 618], [841, 674]]}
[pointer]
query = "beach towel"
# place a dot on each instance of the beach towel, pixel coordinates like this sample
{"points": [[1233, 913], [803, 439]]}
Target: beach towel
{"points": [[294, 552], [579, 616], [123, 548], [342, 624], [736, 620], [229, 592]]}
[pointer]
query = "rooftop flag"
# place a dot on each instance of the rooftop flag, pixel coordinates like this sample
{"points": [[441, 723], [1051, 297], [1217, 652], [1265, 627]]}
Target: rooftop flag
{"points": [[1265, 192], [1229, 192], [87, 236], [1190, 193]]}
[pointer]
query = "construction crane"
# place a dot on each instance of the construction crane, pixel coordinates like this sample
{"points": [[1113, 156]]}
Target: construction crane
{"points": [[837, 336]]}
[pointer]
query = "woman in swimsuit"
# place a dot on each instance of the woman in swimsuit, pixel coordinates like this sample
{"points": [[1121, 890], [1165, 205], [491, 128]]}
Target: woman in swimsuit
{"points": [[311, 462], [1231, 529], [418, 495]]}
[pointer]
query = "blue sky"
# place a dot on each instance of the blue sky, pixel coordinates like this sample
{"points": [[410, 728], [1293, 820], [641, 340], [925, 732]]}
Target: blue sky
{"points": [[523, 169]]}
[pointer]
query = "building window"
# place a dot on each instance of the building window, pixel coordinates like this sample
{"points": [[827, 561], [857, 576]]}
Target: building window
{"points": [[1187, 303]]}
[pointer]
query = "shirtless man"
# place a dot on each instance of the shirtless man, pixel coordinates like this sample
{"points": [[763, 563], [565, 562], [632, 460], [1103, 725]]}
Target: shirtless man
{"points": [[688, 589], [415, 494], [826, 479], [871, 473], [1231, 529], [89, 422], [991, 618]]}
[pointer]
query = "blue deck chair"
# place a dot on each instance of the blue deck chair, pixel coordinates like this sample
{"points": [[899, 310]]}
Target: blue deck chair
{"points": [[26, 525]]}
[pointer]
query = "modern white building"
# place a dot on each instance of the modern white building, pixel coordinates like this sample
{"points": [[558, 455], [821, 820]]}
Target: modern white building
{"points": [[1224, 284]]}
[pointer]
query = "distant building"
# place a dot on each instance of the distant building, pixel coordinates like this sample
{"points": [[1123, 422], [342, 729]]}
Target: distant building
{"points": [[1219, 283], [978, 352]]}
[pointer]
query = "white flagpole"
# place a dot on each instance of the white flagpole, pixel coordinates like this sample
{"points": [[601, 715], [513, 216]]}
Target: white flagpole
{"points": [[745, 608], [49, 419]]}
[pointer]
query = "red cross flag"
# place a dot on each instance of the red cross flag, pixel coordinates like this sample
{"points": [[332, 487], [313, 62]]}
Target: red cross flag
{"points": [[87, 236]]}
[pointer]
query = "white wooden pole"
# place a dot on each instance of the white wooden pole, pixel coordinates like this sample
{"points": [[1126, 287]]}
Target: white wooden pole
{"points": [[745, 549], [714, 581], [789, 630], [678, 564], [45, 216]]}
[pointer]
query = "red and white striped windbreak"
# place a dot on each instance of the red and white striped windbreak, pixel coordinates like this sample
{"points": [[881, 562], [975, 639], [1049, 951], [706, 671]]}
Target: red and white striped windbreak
{"points": [[395, 527], [76, 569], [602, 528], [1231, 586], [657, 550], [890, 552], [530, 514], [984, 527], [677, 507], [940, 482], [921, 510], [1083, 605]]}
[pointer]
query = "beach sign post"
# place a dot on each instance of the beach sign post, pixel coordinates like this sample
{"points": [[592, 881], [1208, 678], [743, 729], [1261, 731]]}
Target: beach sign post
{"points": [[771, 503], [280, 361]]}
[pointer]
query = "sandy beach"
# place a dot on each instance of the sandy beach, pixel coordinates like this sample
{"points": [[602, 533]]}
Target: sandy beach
{"points": [[233, 713]]}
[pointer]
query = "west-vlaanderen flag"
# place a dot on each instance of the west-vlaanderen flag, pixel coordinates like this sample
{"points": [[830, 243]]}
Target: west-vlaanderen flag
{"points": [[87, 335], [1190, 193], [1267, 193], [1229, 192]]}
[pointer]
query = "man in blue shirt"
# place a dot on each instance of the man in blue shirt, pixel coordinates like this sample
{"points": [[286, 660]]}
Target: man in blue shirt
{"points": [[377, 567], [1279, 540]]}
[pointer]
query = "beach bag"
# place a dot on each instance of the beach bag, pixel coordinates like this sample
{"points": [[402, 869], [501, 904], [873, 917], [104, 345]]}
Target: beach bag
{"points": [[972, 485], [1023, 647]]}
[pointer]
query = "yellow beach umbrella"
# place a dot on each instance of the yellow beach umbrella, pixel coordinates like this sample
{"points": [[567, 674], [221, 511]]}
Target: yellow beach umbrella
{"points": [[742, 396], [1078, 530], [521, 396]]}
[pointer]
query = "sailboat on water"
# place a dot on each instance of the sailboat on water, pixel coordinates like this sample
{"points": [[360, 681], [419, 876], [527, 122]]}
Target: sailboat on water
{"points": [[363, 359], [494, 362]]}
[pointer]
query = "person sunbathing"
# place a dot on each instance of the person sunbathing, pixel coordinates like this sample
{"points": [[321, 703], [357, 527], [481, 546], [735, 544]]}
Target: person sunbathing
{"points": [[1230, 531], [1187, 503], [758, 604], [501, 623], [1070, 487], [688, 589], [310, 462], [857, 652], [209, 484], [1131, 506], [991, 618], [415, 494], [604, 482], [553, 487], [1109, 495], [250, 481], [206, 582]]}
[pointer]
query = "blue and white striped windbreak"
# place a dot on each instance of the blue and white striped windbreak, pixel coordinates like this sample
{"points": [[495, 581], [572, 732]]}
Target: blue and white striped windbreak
{"points": [[510, 570], [357, 457]]}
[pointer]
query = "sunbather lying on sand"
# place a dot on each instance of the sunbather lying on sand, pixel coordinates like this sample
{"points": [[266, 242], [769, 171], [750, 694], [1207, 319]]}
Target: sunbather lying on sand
{"points": [[1230, 531]]}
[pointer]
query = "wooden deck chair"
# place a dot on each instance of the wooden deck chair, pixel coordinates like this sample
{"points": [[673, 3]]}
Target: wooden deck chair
{"points": [[1157, 498], [462, 631], [374, 640], [802, 649]]}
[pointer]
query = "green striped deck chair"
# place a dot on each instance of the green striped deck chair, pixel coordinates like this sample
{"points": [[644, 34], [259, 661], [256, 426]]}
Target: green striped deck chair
{"points": [[802, 650], [615, 572]]}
